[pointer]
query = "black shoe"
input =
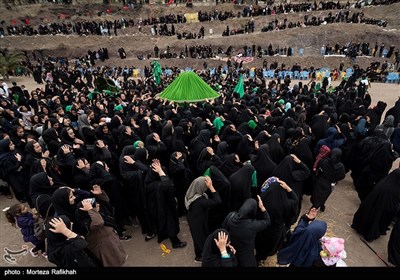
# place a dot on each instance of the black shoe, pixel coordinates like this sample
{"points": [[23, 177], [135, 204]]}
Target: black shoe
{"points": [[161, 239], [125, 237], [197, 259], [179, 245], [9, 196], [149, 237], [182, 213]]}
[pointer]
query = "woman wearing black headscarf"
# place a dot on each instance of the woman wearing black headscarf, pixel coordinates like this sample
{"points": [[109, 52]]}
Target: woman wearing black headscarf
{"points": [[329, 170], [166, 136], [207, 158], [182, 176], [133, 167], [161, 205], [373, 158], [377, 211], [65, 248], [294, 172], [178, 144], [52, 140], [33, 156], [282, 206], [217, 250], [222, 150], [103, 133], [63, 201], [263, 164], [241, 186], [299, 144], [275, 148], [243, 227], [126, 136], [11, 170], [102, 238], [156, 148], [319, 125], [80, 174], [199, 143], [37, 161], [68, 137], [18, 137], [232, 137], [100, 175], [230, 164], [41, 184]]}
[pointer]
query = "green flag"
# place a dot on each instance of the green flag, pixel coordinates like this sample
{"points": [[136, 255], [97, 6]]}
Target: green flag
{"points": [[157, 71], [240, 87]]}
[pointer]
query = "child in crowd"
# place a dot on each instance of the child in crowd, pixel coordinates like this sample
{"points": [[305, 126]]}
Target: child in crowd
{"points": [[333, 251], [19, 215]]}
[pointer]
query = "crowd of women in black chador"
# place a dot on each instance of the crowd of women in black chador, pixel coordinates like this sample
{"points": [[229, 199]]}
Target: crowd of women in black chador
{"points": [[145, 155]]}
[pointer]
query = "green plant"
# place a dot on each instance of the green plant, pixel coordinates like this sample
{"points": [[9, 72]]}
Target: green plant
{"points": [[9, 62]]}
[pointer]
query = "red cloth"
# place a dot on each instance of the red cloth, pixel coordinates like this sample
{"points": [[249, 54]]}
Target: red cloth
{"points": [[324, 151], [170, 2], [14, 21], [27, 21]]}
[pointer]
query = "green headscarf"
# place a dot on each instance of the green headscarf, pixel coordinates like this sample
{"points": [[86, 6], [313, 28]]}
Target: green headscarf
{"points": [[136, 144], [118, 107], [254, 179], [218, 123], [68, 108], [252, 124]]}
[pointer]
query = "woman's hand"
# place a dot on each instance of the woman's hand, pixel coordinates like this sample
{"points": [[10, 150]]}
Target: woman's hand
{"points": [[58, 225], [86, 205], [222, 241], [96, 190], [312, 214]]}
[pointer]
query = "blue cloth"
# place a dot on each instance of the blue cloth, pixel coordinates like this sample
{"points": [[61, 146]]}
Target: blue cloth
{"points": [[331, 140], [304, 246], [26, 222]]}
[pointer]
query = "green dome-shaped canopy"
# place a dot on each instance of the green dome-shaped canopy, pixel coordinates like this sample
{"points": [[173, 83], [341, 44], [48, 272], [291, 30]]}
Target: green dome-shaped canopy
{"points": [[188, 87]]}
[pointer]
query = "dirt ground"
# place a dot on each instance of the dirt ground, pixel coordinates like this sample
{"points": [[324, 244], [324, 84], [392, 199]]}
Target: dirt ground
{"points": [[340, 208]]}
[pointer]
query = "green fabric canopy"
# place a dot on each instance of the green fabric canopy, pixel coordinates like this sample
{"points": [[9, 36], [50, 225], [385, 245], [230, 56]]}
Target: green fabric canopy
{"points": [[188, 87]]}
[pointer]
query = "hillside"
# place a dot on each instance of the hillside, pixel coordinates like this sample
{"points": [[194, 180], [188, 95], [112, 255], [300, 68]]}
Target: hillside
{"points": [[141, 43]]}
